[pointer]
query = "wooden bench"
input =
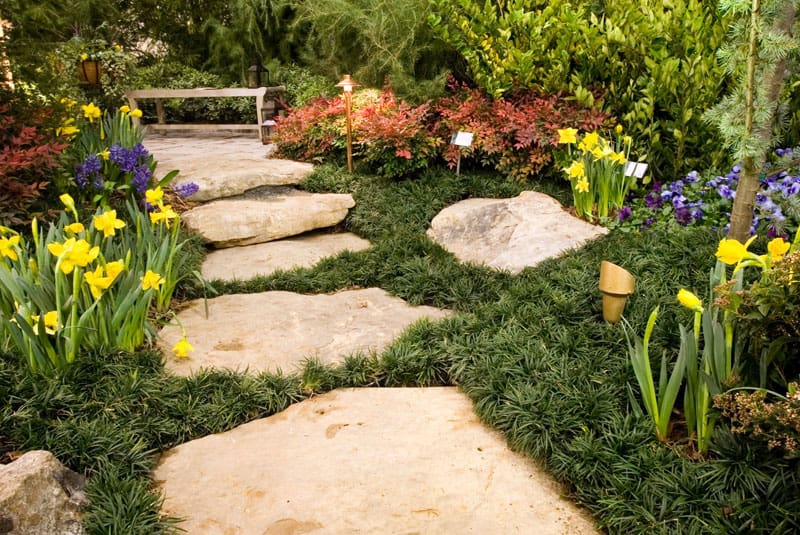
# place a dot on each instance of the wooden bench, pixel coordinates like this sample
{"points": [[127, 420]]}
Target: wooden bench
{"points": [[265, 104]]}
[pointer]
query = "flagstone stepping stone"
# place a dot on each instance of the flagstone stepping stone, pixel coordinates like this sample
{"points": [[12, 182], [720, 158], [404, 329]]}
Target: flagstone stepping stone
{"points": [[510, 234], [243, 221], [277, 330], [265, 258], [223, 167], [370, 460]]}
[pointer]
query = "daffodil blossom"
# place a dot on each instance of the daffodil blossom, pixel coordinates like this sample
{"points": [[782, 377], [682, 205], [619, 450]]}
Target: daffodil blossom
{"points": [[732, 251], [690, 300], [91, 112], [73, 253], [182, 348], [97, 282], [777, 248], [74, 228], [165, 214], [113, 269], [152, 280], [154, 196], [576, 169], [582, 185], [50, 323], [567, 135], [8, 247], [108, 223]]}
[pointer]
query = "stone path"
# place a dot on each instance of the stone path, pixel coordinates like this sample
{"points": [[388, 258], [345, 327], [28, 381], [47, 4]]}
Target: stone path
{"points": [[369, 460], [350, 461], [278, 330], [510, 234]]}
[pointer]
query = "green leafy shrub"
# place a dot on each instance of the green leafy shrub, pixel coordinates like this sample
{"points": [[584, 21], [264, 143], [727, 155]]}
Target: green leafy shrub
{"points": [[651, 65], [302, 85]]}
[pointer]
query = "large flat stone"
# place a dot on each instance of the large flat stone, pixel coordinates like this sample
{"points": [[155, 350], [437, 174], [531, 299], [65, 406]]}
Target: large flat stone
{"points": [[277, 330], [372, 460], [265, 258], [223, 167], [234, 222], [510, 234]]}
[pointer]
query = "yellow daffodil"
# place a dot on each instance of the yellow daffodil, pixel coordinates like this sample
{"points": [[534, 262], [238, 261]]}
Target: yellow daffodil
{"points": [[601, 153], [151, 279], [777, 248], [67, 131], [690, 300], [618, 157], [8, 247], [627, 140], [97, 282], [125, 109], [68, 202], [567, 135], [576, 169], [74, 228], [182, 348], [108, 223], [105, 155], [84, 56], [50, 323], [136, 113], [732, 251], [117, 48], [582, 185], [73, 253], [589, 141], [164, 214], [618, 129], [91, 112], [113, 269], [154, 196]]}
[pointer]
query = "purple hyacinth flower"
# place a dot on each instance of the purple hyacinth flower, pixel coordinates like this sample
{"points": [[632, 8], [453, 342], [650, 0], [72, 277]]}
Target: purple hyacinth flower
{"points": [[186, 189]]}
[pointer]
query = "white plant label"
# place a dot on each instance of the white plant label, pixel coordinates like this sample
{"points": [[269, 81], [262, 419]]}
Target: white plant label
{"points": [[462, 139]]}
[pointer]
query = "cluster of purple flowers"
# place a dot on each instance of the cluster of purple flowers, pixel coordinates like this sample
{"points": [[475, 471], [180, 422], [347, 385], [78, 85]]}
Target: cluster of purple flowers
{"points": [[90, 171], [135, 162], [186, 189], [691, 200]]}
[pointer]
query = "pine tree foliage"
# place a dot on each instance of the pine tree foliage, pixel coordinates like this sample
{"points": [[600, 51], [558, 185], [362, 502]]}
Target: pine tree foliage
{"points": [[774, 48]]}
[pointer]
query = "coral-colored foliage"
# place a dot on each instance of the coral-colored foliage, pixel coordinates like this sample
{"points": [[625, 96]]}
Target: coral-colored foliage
{"points": [[393, 138], [29, 153]]}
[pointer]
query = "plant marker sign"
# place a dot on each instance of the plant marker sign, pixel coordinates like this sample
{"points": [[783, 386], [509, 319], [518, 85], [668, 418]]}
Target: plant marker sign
{"points": [[637, 169], [461, 139]]}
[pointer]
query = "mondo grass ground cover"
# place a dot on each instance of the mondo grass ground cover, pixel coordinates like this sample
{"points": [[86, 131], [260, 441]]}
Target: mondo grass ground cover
{"points": [[530, 350]]}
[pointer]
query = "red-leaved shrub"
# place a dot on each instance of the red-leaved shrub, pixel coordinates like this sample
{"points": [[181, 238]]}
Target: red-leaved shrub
{"points": [[29, 151], [512, 136], [396, 139]]}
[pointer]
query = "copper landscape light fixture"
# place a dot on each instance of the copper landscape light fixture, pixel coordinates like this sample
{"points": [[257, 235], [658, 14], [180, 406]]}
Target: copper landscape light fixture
{"points": [[347, 84]]}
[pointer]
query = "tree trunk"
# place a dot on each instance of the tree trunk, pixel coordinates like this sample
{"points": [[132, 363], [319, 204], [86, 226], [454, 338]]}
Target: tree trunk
{"points": [[749, 183]]}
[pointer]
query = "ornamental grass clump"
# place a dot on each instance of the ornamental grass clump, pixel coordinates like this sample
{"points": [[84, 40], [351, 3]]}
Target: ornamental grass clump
{"points": [[596, 171], [86, 284]]}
